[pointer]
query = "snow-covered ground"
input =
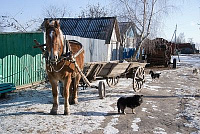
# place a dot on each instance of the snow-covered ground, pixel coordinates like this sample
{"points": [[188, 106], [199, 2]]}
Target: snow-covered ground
{"points": [[192, 60], [190, 93], [27, 111]]}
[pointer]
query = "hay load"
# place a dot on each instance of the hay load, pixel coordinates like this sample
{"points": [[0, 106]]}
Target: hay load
{"points": [[158, 52]]}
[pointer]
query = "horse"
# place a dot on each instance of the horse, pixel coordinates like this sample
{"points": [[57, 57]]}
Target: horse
{"points": [[61, 56]]}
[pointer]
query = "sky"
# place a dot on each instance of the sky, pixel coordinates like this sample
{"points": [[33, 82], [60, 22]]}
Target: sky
{"points": [[186, 15]]}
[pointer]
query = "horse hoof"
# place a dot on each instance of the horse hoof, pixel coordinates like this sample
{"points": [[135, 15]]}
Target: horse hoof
{"points": [[73, 102], [53, 112], [66, 113]]}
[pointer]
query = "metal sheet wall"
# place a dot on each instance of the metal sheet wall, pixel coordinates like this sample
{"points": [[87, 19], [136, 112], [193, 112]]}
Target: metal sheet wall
{"points": [[95, 50], [19, 62]]}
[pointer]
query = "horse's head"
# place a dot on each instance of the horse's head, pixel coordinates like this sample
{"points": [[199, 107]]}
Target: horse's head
{"points": [[54, 40]]}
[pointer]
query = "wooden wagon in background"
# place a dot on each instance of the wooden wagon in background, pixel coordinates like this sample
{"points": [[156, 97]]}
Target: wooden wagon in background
{"points": [[158, 52]]}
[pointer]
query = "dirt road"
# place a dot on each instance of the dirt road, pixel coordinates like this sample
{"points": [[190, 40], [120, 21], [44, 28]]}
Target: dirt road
{"points": [[171, 106]]}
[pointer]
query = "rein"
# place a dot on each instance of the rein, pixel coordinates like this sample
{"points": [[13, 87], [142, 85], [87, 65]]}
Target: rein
{"points": [[53, 69], [66, 56]]}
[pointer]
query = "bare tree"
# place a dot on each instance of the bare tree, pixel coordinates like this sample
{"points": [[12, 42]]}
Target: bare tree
{"points": [[11, 22], [1, 26], [8, 21], [143, 13], [180, 38], [15, 25], [190, 40], [93, 11], [53, 11]]}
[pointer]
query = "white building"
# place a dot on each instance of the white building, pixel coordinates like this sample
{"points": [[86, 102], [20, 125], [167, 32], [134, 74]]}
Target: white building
{"points": [[99, 36]]}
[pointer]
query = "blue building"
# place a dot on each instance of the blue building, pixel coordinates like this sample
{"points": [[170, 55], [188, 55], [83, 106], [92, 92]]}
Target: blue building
{"points": [[129, 36]]}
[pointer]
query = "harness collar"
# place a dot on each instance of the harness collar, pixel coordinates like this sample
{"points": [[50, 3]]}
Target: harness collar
{"points": [[66, 56]]}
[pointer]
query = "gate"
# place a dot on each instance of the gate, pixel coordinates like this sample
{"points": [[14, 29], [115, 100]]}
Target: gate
{"points": [[19, 62]]}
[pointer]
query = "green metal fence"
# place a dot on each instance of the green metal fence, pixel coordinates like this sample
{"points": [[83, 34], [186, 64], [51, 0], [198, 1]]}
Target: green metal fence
{"points": [[20, 63]]}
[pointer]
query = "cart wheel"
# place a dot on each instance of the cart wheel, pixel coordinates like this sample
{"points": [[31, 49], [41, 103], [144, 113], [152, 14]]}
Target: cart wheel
{"points": [[138, 79], [112, 81], [102, 90]]}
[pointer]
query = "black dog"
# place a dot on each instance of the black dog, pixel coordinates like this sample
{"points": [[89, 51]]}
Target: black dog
{"points": [[154, 75], [131, 102]]}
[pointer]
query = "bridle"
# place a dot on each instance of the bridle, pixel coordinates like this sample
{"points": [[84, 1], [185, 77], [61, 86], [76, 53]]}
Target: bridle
{"points": [[65, 56], [52, 41]]}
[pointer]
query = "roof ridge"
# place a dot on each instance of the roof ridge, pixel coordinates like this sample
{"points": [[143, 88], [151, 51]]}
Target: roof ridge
{"points": [[82, 18]]}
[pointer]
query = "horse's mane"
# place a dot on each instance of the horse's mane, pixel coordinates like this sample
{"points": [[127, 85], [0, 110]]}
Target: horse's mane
{"points": [[61, 36]]}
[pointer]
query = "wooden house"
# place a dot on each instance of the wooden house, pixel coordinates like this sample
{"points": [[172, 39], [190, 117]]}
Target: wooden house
{"points": [[99, 36], [129, 36]]}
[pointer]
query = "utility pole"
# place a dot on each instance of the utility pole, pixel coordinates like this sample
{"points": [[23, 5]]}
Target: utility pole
{"points": [[174, 36]]}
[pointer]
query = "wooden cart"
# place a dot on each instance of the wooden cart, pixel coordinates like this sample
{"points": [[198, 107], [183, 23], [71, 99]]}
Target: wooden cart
{"points": [[112, 72]]}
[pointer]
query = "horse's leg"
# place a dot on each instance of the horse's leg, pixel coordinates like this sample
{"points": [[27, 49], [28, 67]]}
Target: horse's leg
{"points": [[67, 84], [55, 96], [75, 91], [71, 90]]}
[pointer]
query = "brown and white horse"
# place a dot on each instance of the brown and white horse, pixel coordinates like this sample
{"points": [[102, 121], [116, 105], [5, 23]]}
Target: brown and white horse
{"points": [[60, 65]]}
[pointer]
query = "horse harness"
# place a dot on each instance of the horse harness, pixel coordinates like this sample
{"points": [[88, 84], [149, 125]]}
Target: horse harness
{"points": [[66, 56]]}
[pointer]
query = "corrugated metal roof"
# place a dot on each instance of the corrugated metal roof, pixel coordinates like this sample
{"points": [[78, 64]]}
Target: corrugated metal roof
{"points": [[97, 28]]}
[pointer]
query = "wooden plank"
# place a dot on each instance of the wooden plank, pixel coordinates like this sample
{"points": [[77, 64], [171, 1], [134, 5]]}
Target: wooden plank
{"points": [[1, 70], [107, 69], [15, 69], [34, 68], [7, 87], [118, 69], [6, 84], [7, 90], [30, 69], [5, 72], [25, 69], [110, 69]]}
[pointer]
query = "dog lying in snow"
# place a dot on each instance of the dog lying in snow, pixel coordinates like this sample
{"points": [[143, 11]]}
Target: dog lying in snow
{"points": [[131, 102], [195, 71], [154, 75]]}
